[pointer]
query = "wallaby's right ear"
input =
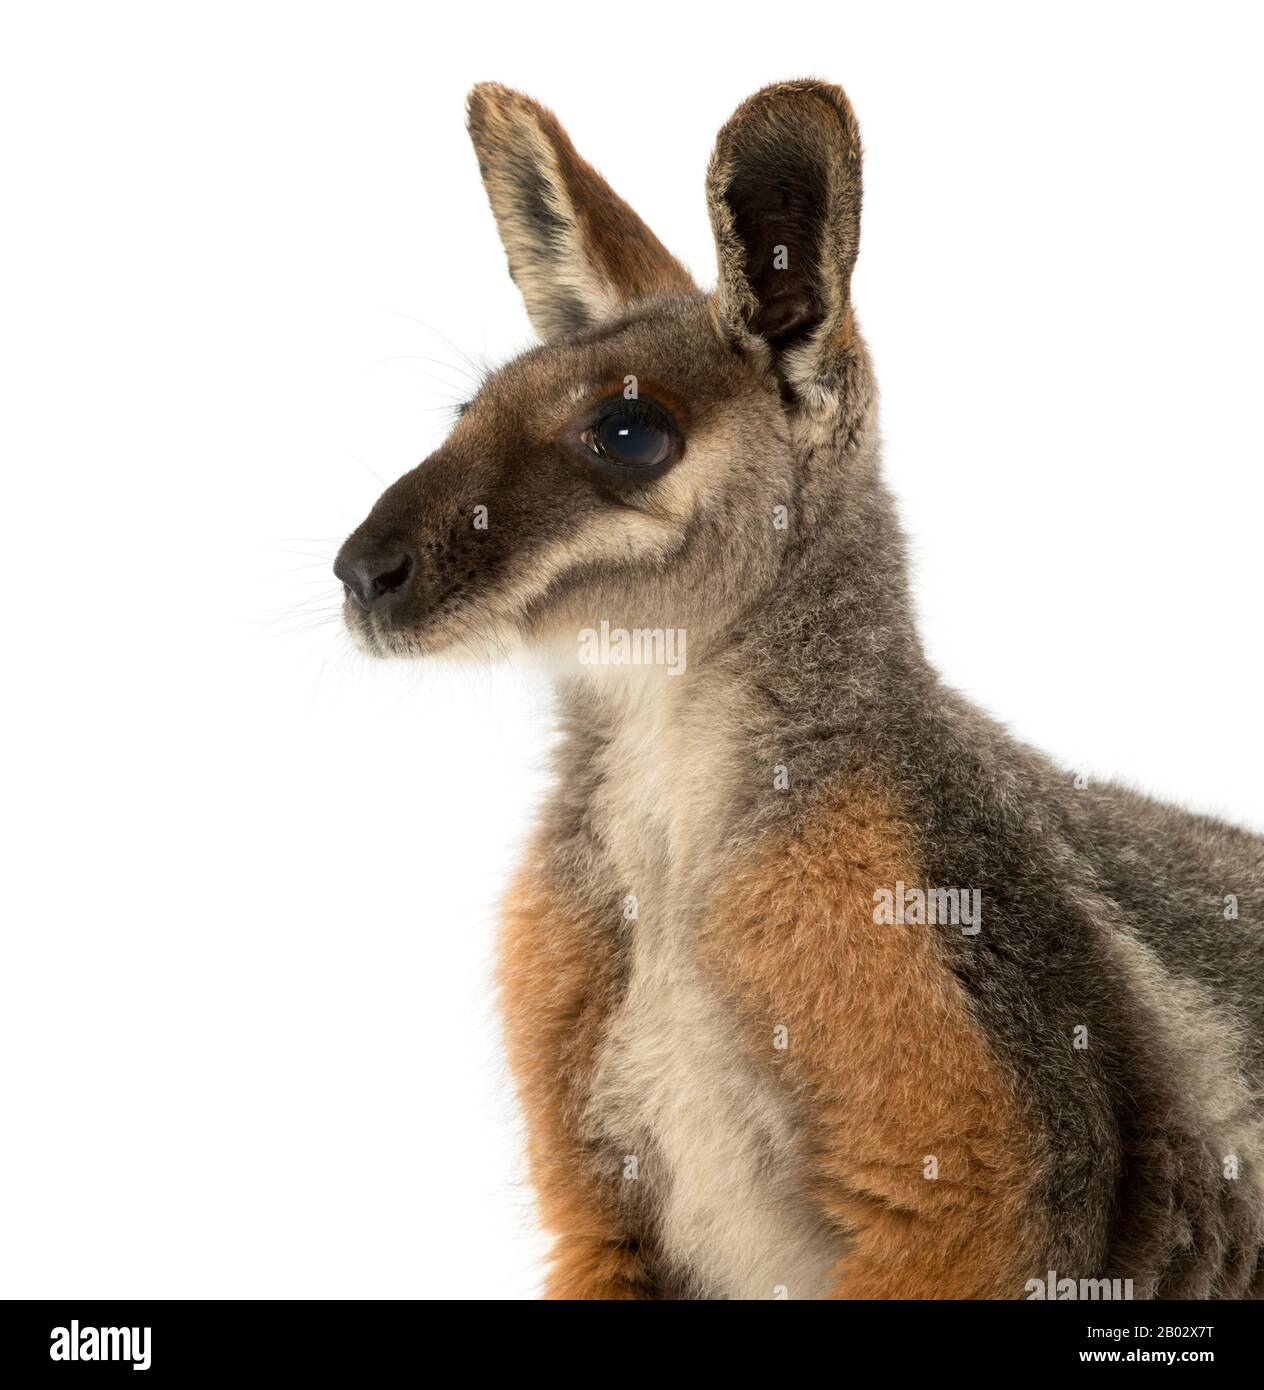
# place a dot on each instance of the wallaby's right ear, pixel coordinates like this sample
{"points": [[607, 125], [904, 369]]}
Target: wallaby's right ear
{"points": [[784, 192], [576, 250]]}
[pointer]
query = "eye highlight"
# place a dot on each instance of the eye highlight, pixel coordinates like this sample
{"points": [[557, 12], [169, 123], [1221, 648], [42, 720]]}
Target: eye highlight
{"points": [[635, 436]]}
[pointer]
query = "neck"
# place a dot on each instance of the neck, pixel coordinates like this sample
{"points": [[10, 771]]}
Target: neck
{"points": [[684, 765]]}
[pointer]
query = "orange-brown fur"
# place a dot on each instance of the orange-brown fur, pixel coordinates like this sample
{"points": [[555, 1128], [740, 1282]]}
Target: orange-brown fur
{"points": [[558, 976], [887, 1065], [887, 1062]]}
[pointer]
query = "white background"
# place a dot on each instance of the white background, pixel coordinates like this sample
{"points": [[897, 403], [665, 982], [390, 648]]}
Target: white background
{"points": [[247, 1043]]}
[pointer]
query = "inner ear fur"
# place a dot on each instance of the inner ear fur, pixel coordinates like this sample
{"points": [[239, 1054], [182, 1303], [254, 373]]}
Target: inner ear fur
{"points": [[784, 194], [577, 252]]}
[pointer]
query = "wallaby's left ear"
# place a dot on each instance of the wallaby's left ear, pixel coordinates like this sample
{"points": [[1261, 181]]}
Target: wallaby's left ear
{"points": [[784, 191], [576, 250]]}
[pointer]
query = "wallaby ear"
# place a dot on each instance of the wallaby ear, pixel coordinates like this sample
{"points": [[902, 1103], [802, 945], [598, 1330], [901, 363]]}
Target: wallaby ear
{"points": [[576, 250], [783, 189]]}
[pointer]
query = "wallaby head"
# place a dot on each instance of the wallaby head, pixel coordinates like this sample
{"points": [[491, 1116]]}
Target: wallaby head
{"points": [[650, 464]]}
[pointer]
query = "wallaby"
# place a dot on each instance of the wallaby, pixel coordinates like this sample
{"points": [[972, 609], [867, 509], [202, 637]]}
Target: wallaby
{"points": [[816, 983]]}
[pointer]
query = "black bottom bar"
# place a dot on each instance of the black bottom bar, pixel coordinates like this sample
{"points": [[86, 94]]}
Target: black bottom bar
{"points": [[351, 1341]]}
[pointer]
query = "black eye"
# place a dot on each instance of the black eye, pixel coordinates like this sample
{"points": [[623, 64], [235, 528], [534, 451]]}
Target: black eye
{"points": [[634, 435]]}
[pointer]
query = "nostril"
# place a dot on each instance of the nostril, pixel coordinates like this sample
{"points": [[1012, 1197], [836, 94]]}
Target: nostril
{"points": [[377, 577], [352, 581], [391, 581]]}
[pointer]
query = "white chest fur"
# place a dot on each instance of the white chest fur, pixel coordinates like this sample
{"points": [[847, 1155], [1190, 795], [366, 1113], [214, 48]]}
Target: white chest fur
{"points": [[713, 1139]]}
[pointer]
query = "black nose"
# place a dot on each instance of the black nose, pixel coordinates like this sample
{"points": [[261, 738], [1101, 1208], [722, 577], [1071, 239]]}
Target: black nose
{"points": [[378, 576]]}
